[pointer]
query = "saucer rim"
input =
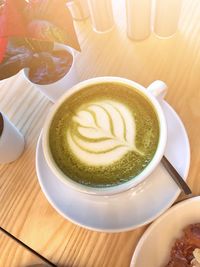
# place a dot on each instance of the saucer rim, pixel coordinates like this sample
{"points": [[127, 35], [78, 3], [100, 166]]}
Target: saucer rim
{"points": [[122, 229]]}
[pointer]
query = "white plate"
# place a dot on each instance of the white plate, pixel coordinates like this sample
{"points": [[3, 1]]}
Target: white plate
{"points": [[153, 249], [128, 210]]}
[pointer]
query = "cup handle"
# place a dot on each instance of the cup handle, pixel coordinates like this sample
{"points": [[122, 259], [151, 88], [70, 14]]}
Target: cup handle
{"points": [[158, 89]]}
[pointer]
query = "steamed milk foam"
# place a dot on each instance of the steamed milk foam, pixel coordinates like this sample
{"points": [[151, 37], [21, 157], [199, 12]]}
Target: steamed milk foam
{"points": [[104, 135]]}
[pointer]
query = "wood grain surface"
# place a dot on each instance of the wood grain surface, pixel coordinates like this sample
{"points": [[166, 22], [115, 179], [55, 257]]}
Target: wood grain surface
{"points": [[15, 255], [24, 211]]}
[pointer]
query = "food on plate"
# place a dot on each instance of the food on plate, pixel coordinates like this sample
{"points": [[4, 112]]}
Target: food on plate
{"points": [[186, 250]]}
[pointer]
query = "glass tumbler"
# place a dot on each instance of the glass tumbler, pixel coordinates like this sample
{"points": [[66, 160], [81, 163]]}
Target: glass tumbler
{"points": [[167, 13], [138, 13], [101, 14]]}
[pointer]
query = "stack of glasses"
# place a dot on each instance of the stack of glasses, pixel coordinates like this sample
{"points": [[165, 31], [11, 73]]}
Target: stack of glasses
{"points": [[143, 16]]}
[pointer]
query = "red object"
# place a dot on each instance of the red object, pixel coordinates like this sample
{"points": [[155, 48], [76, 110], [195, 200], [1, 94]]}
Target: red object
{"points": [[12, 20], [11, 23], [17, 15], [3, 46]]}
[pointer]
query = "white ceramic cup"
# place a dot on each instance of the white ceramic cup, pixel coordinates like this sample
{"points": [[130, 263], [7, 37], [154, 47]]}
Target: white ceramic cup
{"points": [[154, 93], [54, 91], [11, 141]]}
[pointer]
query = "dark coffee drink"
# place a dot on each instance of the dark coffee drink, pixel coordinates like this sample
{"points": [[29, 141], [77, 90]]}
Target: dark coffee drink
{"points": [[52, 68], [104, 134], [1, 124]]}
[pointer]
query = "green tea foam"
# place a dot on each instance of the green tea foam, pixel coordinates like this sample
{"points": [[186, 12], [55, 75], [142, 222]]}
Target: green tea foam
{"points": [[104, 135]]}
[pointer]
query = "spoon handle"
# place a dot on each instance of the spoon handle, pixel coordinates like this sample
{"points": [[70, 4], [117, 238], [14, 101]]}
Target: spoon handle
{"points": [[176, 176]]}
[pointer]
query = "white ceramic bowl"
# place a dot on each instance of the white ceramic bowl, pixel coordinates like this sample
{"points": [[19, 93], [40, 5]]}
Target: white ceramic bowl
{"points": [[153, 249]]}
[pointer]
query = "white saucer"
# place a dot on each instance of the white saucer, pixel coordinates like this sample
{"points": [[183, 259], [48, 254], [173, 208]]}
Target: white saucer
{"points": [[128, 210]]}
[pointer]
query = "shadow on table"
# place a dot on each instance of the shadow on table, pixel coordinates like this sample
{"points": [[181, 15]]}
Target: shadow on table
{"points": [[44, 265]]}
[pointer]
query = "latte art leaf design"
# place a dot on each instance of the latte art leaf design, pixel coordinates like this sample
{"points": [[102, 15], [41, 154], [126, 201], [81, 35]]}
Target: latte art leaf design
{"points": [[102, 133]]}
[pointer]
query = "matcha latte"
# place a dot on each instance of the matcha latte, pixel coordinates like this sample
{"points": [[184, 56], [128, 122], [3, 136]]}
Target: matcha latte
{"points": [[104, 135]]}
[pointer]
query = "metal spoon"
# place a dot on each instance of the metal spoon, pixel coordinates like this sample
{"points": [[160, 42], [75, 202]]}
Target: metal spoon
{"points": [[176, 176]]}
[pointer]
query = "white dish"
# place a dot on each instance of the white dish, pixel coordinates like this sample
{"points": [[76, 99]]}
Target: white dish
{"points": [[127, 210], [153, 249]]}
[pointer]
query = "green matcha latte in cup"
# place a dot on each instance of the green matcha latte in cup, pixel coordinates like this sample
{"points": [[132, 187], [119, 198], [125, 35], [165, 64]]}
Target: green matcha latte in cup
{"points": [[105, 135]]}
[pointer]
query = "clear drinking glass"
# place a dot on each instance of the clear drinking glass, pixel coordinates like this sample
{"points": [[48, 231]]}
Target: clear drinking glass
{"points": [[138, 13], [101, 14], [167, 13], [79, 9]]}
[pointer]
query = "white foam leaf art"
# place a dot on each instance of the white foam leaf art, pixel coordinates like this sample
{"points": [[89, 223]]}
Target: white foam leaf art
{"points": [[103, 132]]}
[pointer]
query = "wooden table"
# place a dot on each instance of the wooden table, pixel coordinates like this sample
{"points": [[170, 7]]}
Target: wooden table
{"points": [[24, 210], [13, 254]]}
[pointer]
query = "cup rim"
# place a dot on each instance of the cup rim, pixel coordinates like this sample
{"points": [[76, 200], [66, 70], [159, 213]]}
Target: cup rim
{"points": [[116, 188]]}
